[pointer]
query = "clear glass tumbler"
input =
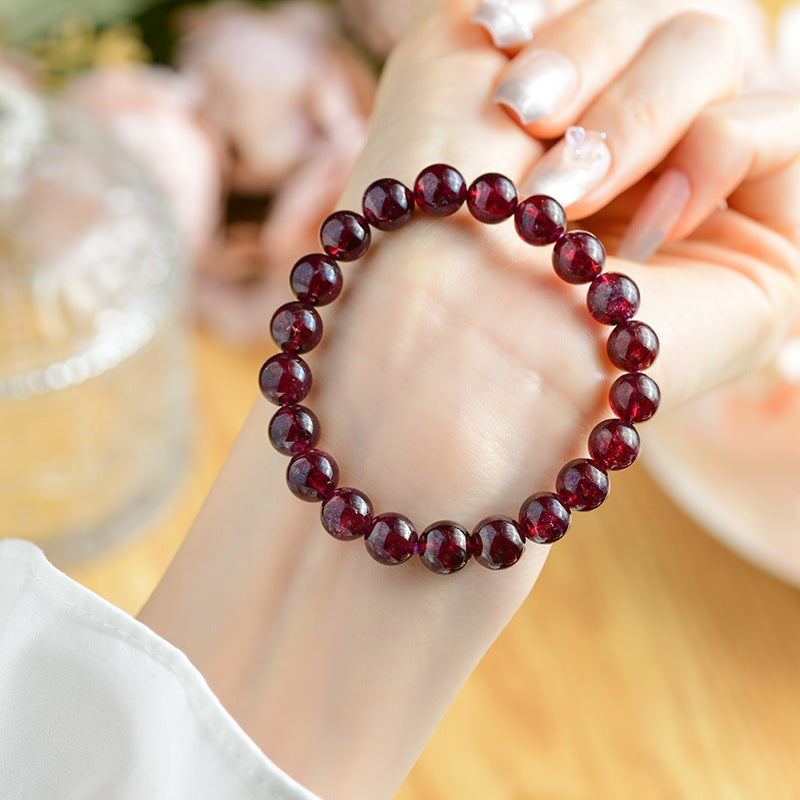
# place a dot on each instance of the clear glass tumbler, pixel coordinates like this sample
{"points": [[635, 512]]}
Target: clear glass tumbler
{"points": [[94, 374]]}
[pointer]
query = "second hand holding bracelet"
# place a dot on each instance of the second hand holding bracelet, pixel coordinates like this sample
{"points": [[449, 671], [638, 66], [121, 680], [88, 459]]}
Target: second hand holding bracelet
{"points": [[582, 484]]}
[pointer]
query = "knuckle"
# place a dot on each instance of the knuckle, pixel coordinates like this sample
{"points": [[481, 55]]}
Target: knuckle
{"points": [[640, 113], [714, 33]]}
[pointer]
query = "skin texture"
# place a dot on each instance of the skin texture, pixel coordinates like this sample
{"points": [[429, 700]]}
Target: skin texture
{"points": [[456, 375]]}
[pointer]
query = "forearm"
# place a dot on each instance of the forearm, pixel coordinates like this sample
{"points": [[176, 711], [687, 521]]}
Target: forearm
{"points": [[339, 668]]}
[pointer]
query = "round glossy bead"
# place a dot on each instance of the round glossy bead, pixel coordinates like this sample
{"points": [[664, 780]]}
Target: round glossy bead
{"points": [[316, 279], [284, 379], [582, 484], [312, 475], [578, 257], [614, 444], [632, 346], [388, 204], [293, 430], [296, 327], [345, 235], [444, 547], [491, 198], [634, 397], [612, 298], [544, 518], [440, 190], [392, 539], [540, 220], [497, 542], [347, 514]]}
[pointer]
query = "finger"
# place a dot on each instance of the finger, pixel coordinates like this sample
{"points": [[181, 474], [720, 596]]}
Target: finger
{"points": [[573, 58], [512, 23], [721, 307], [691, 61], [744, 151], [441, 73]]}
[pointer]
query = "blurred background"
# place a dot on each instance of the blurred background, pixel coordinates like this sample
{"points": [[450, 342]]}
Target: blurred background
{"points": [[162, 166]]}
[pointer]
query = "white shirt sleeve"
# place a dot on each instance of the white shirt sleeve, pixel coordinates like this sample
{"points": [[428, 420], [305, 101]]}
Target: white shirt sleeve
{"points": [[94, 705]]}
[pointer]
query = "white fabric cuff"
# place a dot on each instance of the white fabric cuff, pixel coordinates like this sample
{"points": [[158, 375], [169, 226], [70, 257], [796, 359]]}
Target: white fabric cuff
{"points": [[94, 705]]}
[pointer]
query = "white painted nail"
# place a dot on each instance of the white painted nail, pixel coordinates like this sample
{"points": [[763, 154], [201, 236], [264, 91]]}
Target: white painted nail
{"points": [[657, 215], [571, 168], [510, 22], [541, 83]]}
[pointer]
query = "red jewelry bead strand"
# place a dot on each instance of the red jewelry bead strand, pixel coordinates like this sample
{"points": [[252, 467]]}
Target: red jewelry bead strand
{"points": [[284, 379], [388, 204], [296, 327], [347, 514], [345, 235], [316, 279], [540, 220], [492, 198], [497, 542], [632, 346], [440, 190], [293, 430], [312, 475], [444, 547]]}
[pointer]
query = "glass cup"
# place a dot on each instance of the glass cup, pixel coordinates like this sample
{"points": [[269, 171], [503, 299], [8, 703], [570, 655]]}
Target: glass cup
{"points": [[94, 376]]}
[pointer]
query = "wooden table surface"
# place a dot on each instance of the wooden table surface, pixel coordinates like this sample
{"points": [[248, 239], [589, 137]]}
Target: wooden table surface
{"points": [[649, 662]]}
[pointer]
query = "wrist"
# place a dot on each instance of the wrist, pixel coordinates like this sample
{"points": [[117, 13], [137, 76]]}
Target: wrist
{"points": [[309, 644]]}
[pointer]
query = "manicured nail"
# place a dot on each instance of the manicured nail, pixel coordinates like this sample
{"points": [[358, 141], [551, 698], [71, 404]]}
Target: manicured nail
{"points": [[510, 22], [571, 168], [543, 82], [655, 218]]}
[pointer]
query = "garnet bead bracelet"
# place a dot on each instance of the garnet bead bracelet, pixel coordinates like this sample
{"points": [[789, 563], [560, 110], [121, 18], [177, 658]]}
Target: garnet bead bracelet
{"points": [[496, 542]]}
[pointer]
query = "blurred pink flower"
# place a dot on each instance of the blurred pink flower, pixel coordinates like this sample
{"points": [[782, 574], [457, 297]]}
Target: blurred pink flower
{"points": [[377, 23], [279, 85], [152, 110], [237, 290]]}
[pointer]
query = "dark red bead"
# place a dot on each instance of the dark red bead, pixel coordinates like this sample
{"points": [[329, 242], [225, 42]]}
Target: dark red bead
{"points": [[316, 279], [582, 484], [296, 327], [444, 547], [491, 198], [632, 346], [497, 542], [540, 220], [440, 190], [388, 204], [347, 514], [345, 235], [284, 379], [293, 430], [578, 257], [634, 397], [544, 518], [312, 475], [614, 444], [392, 539], [612, 298]]}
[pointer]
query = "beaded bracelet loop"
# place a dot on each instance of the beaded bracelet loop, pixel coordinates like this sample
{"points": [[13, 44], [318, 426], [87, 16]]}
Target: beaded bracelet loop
{"points": [[582, 484]]}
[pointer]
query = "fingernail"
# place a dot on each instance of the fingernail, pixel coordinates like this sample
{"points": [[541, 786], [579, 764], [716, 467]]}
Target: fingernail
{"points": [[543, 82], [571, 168], [510, 22], [655, 218]]}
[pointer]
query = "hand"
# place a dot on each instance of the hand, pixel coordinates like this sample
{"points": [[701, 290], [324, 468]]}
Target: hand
{"points": [[456, 375], [460, 373]]}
